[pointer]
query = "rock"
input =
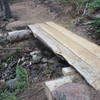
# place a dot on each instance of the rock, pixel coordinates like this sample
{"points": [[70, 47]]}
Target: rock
{"points": [[11, 20], [68, 71], [97, 15], [50, 86], [59, 96], [1, 47], [2, 85], [73, 91], [11, 83], [44, 60], [36, 56], [16, 25], [2, 82], [53, 60]]}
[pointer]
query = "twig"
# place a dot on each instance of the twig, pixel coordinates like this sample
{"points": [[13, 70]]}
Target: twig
{"points": [[85, 9]]}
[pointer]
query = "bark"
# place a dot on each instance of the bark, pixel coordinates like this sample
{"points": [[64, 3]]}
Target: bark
{"points": [[7, 9], [1, 5]]}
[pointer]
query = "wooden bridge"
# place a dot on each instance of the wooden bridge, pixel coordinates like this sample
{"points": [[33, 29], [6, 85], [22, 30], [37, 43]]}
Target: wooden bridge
{"points": [[83, 55]]}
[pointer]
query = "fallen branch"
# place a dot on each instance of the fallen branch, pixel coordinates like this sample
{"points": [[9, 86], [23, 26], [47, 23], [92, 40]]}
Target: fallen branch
{"points": [[18, 35]]}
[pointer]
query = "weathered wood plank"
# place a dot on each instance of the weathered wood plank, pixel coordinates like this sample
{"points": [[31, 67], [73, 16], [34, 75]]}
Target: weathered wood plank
{"points": [[81, 52], [90, 73], [95, 49]]}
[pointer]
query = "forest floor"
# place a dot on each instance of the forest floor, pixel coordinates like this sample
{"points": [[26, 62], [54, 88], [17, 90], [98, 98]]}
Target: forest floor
{"points": [[25, 13]]}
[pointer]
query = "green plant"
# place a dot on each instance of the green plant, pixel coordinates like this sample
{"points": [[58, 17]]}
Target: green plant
{"points": [[95, 23], [21, 73], [78, 5], [20, 84], [22, 79], [94, 5], [4, 96]]}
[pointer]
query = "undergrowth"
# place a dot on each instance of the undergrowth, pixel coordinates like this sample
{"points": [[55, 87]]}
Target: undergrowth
{"points": [[95, 23], [20, 84], [84, 8]]}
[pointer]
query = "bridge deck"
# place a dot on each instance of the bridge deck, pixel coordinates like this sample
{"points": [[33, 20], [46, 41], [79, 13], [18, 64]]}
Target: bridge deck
{"points": [[83, 55]]}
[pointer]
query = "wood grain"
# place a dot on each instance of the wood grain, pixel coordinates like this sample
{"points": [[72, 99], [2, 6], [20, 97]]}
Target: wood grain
{"points": [[85, 61]]}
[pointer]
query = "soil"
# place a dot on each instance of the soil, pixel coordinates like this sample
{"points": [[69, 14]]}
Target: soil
{"points": [[30, 13], [26, 11]]}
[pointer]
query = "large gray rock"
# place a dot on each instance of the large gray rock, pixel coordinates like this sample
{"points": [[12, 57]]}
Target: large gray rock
{"points": [[72, 91], [16, 25]]}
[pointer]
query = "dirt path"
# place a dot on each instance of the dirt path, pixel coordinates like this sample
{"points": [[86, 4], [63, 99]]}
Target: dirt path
{"points": [[26, 11]]}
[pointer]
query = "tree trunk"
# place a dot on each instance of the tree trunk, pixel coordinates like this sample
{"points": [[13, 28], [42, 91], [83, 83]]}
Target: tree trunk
{"points": [[1, 5], [7, 10]]}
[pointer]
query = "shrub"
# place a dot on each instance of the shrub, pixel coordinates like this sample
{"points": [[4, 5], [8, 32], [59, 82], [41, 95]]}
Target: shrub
{"points": [[95, 23], [78, 5], [95, 4], [4, 96], [20, 84], [22, 79]]}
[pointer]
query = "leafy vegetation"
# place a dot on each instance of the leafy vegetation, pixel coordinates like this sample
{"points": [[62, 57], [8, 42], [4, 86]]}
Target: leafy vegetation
{"points": [[22, 79], [95, 23], [21, 83], [78, 5], [95, 4], [91, 6], [4, 96]]}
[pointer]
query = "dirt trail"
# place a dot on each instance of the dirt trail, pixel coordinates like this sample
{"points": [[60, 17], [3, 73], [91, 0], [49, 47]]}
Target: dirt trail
{"points": [[26, 11], [29, 13]]}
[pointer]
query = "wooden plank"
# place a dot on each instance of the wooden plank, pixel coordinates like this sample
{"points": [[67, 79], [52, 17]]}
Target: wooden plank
{"points": [[89, 73], [95, 49], [79, 51]]}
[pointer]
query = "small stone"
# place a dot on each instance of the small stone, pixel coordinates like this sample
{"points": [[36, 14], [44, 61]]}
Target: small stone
{"points": [[53, 60], [97, 15], [2, 83], [36, 56], [1, 47], [36, 59], [11, 83], [6, 65], [35, 52], [68, 71], [44, 60], [11, 20]]}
